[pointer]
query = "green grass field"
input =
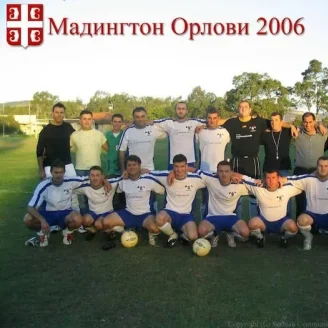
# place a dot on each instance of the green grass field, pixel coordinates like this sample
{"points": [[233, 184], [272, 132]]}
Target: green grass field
{"points": [[83, 286]]}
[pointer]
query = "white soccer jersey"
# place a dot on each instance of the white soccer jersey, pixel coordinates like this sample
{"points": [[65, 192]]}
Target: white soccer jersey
{"points": [[222, 200], [316, 192], [137, 193], [272, 204], [141, 142], [98, 199], [212, 145], [181, 137], [57, 198], [181, 194]]}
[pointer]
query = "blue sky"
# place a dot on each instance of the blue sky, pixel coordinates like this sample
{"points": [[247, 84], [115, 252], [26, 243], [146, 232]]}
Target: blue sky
{"points": [[169, 65]]}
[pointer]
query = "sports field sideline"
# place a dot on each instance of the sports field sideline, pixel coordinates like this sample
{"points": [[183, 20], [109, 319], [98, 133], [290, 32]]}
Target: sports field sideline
{"points": [[83, 286]]}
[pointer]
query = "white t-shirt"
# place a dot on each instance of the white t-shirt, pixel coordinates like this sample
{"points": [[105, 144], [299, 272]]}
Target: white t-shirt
{"points": [[137, 193], [316, 192], [99, 201], [141, 142], [87, 144], [181, 137], [272, 204], [222, 200], [181, 194], [212, 145], [57, 198]]}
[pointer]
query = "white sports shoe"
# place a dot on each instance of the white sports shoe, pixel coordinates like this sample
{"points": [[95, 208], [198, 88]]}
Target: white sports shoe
{"points": [[307, 245], [44, 239], [230, 239], [55, 228], [67, 237], [34, 241], [81, 230], [152, 239], [214, 240]]}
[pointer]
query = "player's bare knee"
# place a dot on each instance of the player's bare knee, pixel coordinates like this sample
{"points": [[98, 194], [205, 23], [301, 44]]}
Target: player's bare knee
{"points": [[87, 221], [192, 235], [28, 219], [161, 219], [98, 224], [74, 222], [303, 220], [291, 226], [244, 232], [253, 224]]}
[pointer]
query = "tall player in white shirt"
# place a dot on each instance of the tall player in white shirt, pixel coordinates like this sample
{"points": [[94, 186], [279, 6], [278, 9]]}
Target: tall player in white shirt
{"points": [[181, 132], [57, 193], [222, 203], [316, 191], [176, 215], [273, 203], [212, 141], [99, 200], [137, 189], [140, 140]]}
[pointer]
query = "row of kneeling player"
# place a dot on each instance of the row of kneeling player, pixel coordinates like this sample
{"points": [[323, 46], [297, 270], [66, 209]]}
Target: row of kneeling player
{"points": [[176, 219]]}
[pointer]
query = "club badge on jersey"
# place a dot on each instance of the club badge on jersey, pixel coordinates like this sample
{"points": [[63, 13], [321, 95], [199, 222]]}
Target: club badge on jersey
{"points": [[24, 24]]}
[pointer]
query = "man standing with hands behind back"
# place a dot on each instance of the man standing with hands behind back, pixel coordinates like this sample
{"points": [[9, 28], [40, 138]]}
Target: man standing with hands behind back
{"points": [[87, 144]]}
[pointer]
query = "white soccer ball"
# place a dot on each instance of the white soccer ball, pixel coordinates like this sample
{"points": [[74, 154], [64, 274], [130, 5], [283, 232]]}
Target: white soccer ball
{"points": [[201, 247], [129, 239]]}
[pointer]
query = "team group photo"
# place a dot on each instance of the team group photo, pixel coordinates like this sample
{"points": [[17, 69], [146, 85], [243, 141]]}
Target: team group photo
{"points": [[163, 164]]}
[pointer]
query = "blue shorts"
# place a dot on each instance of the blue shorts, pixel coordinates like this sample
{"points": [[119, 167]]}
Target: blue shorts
{"points": [[222, 222], [96, 216], [320, 220], [179, 220], [273, 227], [170, 166], [55, 217], [132, 221]]}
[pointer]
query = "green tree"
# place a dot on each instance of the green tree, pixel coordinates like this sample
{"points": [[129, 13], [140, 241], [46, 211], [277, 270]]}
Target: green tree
{"points": [[73, 108], [42, 103], [265, 94], [100, 102], [199, 100], [11, 125], [313, 90]]}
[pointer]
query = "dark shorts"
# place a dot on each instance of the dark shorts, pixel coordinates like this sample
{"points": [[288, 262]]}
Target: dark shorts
{"points": [[320, 220], [132, 221], [55, 217], [223, 222], [273, 227], [179, 220], [247, 165], [96, 216]]}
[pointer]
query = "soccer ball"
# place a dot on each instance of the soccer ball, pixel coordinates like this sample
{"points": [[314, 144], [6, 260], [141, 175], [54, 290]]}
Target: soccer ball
{"points": [[201, 247], [129, 239]]}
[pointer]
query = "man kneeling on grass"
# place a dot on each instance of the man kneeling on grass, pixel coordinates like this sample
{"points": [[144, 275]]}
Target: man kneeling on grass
{"points": [[56, 192], [138, 213], [273, 201], [100, 202]]}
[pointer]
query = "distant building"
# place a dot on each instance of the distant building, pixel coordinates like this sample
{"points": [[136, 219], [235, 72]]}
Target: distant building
{"points": [[28, 124], [292, 115]]}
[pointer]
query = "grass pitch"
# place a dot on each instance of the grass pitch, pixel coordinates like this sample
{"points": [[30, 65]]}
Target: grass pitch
{"points": [[83, 286]]}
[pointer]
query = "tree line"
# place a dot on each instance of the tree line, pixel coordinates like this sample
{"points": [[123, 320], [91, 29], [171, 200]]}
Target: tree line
{"points": [[265, 94]]}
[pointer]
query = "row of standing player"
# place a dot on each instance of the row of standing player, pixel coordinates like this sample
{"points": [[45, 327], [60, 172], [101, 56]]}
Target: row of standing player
{"points": [[141, 138]]}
